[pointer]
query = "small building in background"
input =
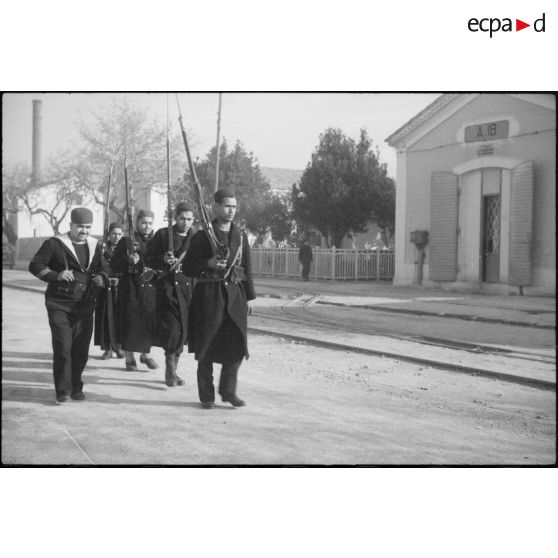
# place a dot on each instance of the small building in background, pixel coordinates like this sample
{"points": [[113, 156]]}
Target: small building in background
{"points": [[476, 194]]}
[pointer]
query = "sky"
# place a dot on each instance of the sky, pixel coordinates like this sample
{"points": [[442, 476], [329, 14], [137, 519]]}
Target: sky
{"points": [[281, 129]]}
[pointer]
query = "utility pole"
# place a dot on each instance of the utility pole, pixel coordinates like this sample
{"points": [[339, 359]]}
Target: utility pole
{"points": [[217, 146]]}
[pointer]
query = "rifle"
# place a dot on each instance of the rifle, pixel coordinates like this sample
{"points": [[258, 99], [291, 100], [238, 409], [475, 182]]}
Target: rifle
{"points": [[106, 217], [217, 248], [169, 192], [132, 245]]}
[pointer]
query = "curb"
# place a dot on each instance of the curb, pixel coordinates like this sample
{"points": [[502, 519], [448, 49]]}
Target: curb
{"points": [[443, 315], [522, 380]]}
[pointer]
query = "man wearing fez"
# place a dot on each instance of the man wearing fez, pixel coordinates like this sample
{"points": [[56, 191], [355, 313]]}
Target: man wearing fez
{"points": [[66, 262], [105, 310], [135, 301], [173, 289], [218, 314]]}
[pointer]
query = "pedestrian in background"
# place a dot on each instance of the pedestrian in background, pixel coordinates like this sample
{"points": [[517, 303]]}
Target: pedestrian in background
{"points": [[105, 309], [218, 314], [305, 258], [173, 289], [67, 264], [135, 300]]}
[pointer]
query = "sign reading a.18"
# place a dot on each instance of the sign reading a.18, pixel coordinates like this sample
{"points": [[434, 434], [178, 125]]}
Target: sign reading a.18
{"points": [[487, 131]]}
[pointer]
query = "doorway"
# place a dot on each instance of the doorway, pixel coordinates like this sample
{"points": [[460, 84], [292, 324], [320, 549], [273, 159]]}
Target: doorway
{"points": [[491, 239]]}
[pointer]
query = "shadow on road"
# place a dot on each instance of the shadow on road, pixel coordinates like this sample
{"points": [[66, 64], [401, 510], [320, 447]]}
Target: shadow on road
{"points": [[23, 390], [45, 396], [28, 394], [24, 376], [30, 375], [34, 356], [6, 365]]}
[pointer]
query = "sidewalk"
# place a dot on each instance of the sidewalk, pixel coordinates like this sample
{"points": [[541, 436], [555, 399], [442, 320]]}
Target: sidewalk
{"points": [[532, 311]]}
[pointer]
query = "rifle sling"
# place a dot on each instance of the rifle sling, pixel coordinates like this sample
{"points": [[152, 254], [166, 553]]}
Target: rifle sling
{"points": [[237, 258]]}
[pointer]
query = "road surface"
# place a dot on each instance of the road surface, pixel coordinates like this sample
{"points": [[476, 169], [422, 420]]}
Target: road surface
{"points": [[305, 405]]}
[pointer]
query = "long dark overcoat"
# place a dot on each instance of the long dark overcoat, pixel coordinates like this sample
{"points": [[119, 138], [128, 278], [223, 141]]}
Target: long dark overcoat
{"points": [[105, 310], [173, 291], [219, 305], [135, 301]]}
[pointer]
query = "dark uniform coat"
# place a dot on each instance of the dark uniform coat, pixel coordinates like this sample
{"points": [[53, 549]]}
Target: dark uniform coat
{"points": [[135, 301], [105, 309], [305, 254], [55, 255], [173, 291], [218, 314]]}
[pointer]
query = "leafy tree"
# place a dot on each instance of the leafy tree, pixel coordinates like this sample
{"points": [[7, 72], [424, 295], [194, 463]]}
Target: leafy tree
{"points": [[279, 217], [241, 172], [343, 187]]}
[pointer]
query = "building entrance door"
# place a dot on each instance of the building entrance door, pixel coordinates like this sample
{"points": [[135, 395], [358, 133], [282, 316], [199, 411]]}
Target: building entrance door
{"points": [[491, 239]]}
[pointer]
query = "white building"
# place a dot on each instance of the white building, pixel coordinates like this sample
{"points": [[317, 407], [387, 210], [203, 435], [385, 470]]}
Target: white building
{"points": [[477, 173]]}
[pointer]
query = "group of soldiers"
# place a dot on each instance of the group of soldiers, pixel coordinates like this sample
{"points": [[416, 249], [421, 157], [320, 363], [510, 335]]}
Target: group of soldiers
{"points": [[135, 294]]}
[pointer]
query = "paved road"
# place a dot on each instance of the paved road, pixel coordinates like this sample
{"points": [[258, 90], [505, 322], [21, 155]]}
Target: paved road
{"points": [[306, 405]]}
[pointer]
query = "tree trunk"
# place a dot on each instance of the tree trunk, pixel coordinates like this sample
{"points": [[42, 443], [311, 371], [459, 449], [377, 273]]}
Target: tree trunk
{"points": [[8, 230]]}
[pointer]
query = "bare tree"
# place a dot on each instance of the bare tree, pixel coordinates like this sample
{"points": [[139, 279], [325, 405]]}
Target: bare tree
{"points": [[59, 191], [53, 198], [15, 180], [121, 130]]}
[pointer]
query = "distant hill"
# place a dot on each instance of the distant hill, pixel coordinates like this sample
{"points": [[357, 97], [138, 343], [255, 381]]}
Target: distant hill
{"points": [[281, 180]]}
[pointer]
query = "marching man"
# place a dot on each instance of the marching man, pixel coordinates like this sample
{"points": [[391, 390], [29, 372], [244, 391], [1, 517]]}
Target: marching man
{"points": [[66, 263]]}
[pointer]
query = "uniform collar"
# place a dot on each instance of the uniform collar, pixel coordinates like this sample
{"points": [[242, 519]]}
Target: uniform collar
{"points": [[66, 241]]}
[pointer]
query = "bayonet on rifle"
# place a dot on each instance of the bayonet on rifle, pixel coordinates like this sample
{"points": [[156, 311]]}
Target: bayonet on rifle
{"points": [[132, 246], [169, 191], [219, 249], [106, 215]]}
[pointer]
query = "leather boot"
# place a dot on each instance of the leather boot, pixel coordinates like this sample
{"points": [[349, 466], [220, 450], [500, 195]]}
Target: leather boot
{"points": [[170, 370], [178, 379]]}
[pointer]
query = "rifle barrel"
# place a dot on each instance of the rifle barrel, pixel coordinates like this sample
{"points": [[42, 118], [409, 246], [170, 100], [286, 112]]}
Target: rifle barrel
{"points": [[206, 222], [129, 216], [106, 215], [169, 191]]}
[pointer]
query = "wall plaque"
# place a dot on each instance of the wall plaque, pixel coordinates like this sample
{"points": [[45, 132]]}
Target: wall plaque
{"points": [[487, 131]]}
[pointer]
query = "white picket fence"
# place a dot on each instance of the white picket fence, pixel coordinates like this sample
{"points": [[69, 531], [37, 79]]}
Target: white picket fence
{"points": [[334, 264]]}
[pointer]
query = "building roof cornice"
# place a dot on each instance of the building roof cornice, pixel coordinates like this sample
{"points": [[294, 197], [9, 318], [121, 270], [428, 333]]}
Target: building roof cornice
{"points": [[420, 118], [445, 106]]}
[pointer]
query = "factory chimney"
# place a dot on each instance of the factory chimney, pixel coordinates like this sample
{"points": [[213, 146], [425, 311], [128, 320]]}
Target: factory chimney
{"points": [[37, 140]]}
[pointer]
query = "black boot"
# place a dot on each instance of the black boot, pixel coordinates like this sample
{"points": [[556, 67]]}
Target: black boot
{"points": [[170, 370], [179, 381]]}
